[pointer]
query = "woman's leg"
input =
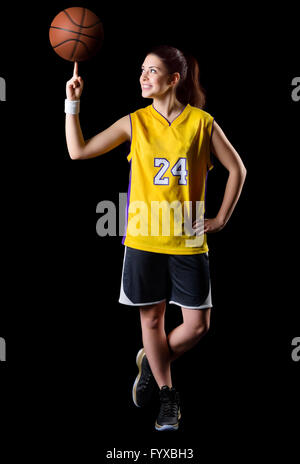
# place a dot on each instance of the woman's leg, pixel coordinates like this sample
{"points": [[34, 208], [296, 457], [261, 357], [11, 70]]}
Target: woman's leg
{"points": [[155, 342], [160, 349], [195, 325]]}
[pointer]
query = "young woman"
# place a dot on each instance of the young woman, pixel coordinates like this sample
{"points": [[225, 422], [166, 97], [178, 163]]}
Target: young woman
{"points": [[171, 141]]}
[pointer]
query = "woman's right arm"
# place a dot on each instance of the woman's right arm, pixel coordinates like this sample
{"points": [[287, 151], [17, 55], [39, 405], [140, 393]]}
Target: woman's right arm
{"points": [[101, 143]]}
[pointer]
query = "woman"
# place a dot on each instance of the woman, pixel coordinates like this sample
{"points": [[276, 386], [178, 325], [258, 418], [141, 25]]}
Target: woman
{"points": [[171, 141]]}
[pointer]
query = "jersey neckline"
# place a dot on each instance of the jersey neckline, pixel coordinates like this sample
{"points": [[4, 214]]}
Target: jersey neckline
{"points": [[165, 121]]}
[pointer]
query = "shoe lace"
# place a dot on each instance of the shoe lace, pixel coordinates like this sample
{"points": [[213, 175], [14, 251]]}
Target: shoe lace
{"points": [[168, 408], [147, 380]]}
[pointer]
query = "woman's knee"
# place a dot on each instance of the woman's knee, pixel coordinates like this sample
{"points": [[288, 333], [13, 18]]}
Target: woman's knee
{"points": [[197, 323], [200, 329]]}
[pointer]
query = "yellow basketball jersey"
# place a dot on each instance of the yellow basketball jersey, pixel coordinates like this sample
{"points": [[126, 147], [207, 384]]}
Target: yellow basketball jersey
{"points": [[169, 166]]}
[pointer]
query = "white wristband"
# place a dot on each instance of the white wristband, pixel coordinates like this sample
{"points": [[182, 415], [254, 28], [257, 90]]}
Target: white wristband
{"points": [[72, 106]]}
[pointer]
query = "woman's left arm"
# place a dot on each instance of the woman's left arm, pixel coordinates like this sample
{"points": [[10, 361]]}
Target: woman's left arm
{"points": [[229, 158]]}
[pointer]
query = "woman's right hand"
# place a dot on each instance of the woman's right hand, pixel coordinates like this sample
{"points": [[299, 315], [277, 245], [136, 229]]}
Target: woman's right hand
{"points": [[74, 86]]}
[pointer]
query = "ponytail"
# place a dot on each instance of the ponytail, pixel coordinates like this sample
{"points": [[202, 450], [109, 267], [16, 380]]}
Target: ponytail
{"points": [[189, 89]]}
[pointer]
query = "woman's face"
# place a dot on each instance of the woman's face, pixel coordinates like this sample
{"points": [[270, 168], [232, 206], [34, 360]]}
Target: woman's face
{"points": [[155, 79]]}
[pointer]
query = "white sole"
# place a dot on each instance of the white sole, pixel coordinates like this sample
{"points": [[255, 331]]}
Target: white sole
{"points": [[161, 428], [139, 358]]}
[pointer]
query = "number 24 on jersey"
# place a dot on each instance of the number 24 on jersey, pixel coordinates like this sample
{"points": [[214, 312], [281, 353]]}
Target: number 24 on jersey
{"points": [[179, 170]]}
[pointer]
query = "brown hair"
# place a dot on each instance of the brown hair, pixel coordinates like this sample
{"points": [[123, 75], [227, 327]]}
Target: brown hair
{"points": [[189, 89]]}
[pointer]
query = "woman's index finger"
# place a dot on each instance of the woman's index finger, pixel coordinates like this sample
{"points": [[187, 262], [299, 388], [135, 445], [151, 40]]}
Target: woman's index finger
{"points": [[75, 72]]}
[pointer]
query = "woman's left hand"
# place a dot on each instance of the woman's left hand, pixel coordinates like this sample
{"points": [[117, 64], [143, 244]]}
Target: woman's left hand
{"points": [[208, 226]]}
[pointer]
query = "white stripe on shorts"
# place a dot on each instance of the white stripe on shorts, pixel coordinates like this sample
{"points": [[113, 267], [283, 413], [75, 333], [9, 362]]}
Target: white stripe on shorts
{"points": [[206, 304], [124, 298]]}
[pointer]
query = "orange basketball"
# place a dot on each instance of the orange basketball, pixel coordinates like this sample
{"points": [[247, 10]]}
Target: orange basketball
{"points": [[76, 34]]}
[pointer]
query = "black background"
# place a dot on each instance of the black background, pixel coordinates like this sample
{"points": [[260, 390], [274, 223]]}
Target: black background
{"points": [[70, 343]]}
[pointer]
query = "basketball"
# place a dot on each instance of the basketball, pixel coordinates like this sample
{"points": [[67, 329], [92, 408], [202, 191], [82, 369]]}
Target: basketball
{"points": [[76, 34]]}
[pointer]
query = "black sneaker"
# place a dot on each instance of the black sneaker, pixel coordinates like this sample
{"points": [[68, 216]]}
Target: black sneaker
{"points": [[145, 383], [169, 413]]}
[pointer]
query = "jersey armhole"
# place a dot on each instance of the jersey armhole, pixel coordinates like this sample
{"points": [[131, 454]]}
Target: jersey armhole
{"points": [[129, 156]]}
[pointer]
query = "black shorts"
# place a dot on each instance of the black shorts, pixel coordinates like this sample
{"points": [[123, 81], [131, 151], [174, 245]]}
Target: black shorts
{"points": [[149, 278]]}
